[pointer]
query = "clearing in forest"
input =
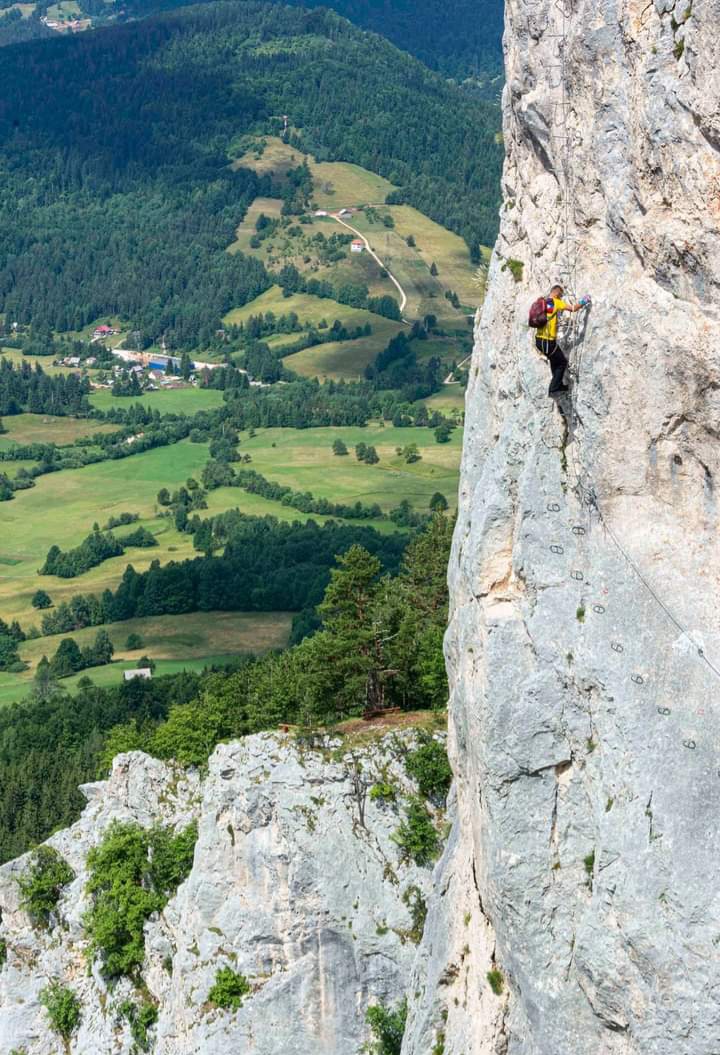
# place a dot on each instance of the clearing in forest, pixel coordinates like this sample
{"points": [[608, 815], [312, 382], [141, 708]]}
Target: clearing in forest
{"points": [[174, 642], [46, 428]]}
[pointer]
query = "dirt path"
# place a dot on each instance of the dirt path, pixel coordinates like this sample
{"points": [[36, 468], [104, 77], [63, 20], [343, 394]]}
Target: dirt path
{"points": [[376, 258]]}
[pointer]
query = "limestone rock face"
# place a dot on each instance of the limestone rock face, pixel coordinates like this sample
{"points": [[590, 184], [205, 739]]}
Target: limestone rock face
{"points": [[584, 645], [296, 884]]}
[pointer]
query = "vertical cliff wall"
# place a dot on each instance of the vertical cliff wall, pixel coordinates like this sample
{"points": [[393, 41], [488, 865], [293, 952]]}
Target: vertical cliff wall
{"points": [[584, 646]]}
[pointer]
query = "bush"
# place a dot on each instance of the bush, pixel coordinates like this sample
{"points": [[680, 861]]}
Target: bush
{"points": [[141, 1019], [387, 1028], [515, 267], [229, 989], [429, 767], [383, 791], [63, 1009], [171, 857], [133, 642], [43, 882], [496, 981], [416, 836], [3, 952], [413, 898], [133, 873]]}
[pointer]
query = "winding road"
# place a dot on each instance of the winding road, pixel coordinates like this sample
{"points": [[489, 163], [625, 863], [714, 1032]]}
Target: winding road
{"points": [[376, 258]]}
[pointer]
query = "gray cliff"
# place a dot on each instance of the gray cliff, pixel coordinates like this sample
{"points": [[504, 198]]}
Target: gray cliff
{"points": [[584, 644], [296, 883]]}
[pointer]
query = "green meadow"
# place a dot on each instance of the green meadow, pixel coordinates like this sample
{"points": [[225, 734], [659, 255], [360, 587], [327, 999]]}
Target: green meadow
{"points": [[174, 642], [167, 400], [301, 459]]}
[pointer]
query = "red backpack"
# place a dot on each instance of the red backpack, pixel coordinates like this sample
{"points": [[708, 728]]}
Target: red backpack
{"points": [[538, 314]]}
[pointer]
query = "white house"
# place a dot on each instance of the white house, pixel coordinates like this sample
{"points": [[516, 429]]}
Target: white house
{"points": [[357, 246], [141, 672]]}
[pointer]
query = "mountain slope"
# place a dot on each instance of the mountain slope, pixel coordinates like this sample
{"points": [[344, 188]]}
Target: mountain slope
{"points": [[117, 192]]}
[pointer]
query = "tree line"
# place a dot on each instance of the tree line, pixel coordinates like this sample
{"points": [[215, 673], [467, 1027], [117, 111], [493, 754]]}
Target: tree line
{"points": [[266, 565], [97, 547], [377, 641]]}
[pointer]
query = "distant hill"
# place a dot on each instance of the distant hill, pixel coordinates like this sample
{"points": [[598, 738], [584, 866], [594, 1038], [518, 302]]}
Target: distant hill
{"points": [[116, 191], [460, 38]]}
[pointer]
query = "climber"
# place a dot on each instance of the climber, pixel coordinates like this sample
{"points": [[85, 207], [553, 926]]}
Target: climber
{"points": [[546, 337]]}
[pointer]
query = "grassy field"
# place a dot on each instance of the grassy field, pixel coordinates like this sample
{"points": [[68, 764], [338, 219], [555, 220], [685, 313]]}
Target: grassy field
{"points": [[447, 250], [304, 460], [64, 10], [449, 400], [45, 428], [167, 400], [80, 497], [310, 310], [178, 642], [338, 359], [270, 207], [343, 360], [337, 184], [45, 361]]}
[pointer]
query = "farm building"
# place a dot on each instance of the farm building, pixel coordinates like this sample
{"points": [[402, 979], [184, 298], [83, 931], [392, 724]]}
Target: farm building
{"points": [[141, 672]]}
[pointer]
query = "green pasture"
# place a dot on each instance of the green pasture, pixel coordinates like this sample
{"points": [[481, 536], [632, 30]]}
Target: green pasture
{"points": [[337, 184], [270, 207], [46, 428], [309, 309], [174, 642], [45, 361], [187, 400], [303, 459], [447, 250], [449, 400], [62, 508], [338, 359]]}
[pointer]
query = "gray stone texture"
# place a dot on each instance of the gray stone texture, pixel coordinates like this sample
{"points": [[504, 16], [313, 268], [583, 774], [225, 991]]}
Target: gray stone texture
{"points": [[293, 885], [585, 723]]}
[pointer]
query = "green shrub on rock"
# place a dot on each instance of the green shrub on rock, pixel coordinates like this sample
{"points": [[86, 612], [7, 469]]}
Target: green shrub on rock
{"points": [[133, 873], [42, 884], [387, 1027], [417, 838], [429, 767], [63, 1009], [229, 989]]}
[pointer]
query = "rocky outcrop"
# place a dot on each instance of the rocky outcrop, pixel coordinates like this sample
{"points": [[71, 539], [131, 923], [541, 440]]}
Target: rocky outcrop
{"points": [[296, 883], [584, 645]]}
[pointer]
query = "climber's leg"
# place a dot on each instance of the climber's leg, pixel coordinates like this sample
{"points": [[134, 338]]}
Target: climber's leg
{"points": [[558, 365]]}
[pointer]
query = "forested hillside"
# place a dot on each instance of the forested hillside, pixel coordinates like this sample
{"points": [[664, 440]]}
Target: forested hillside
{"points": [[117, 192], [459, 39], [462, 38]]}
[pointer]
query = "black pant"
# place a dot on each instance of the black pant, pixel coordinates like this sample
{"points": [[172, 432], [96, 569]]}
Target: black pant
{"points": [[558, 361]]}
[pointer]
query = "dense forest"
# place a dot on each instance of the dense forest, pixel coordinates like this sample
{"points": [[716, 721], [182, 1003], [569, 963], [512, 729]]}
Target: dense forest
{"points": [[117, 196], [461, 39], [375, 640]]}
